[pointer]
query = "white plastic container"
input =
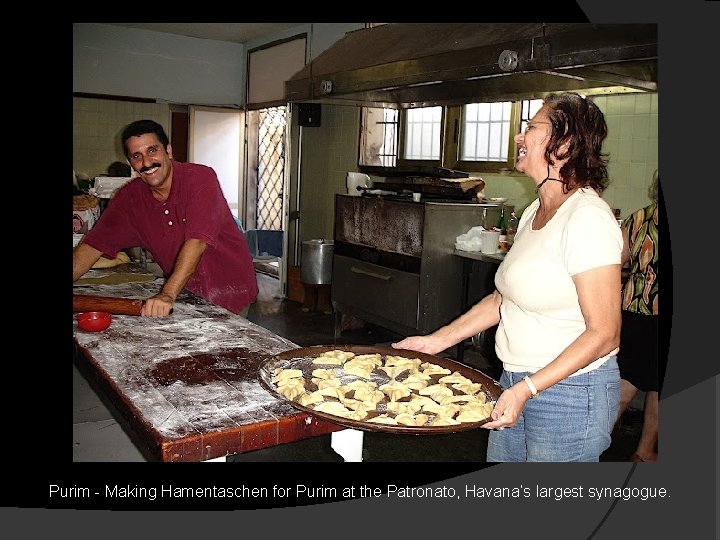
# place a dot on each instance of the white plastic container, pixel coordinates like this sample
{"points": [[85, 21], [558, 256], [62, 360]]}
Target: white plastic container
{"points": [[489, 242]]}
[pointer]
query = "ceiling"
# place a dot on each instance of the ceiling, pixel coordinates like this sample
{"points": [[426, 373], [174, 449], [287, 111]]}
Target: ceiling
{"points": [[423, 64], [233, 32]]}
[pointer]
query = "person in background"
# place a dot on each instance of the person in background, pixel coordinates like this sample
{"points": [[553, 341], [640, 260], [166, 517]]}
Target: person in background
{"points": [[119, 169], [638, 357], [557, 298], [178, 213]]}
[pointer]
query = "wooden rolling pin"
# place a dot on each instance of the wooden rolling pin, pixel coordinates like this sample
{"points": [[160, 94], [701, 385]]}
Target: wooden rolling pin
{"points": [[110, 304]]}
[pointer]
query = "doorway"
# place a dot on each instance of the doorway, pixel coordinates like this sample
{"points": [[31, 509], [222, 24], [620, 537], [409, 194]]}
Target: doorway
{"points": [[216, 138], [179, 134], [248, 152]]}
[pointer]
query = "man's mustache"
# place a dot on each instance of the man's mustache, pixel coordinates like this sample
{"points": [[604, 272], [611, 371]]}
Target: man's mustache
{"points": [[152, 166]]}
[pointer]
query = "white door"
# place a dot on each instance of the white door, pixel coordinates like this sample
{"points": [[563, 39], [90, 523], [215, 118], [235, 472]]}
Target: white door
{"points": [[216, 138]]}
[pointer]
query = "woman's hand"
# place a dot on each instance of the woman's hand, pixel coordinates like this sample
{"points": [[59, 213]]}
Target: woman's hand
{"points": [[423, 344], [481, 316], [507, 409]]}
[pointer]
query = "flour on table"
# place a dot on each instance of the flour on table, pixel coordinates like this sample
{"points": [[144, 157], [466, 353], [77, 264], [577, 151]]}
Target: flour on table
{"points": [[133, 347]]}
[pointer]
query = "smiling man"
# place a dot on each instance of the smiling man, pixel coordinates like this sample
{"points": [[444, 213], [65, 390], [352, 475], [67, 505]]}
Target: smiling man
{"points": [[178, 213]]}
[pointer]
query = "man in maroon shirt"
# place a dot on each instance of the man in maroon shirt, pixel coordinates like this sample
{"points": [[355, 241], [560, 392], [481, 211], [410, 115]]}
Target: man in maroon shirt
{"points": [[178, 213]]}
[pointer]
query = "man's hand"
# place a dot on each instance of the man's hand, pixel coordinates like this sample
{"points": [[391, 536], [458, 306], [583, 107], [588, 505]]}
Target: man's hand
{"points": [[159, 305]]}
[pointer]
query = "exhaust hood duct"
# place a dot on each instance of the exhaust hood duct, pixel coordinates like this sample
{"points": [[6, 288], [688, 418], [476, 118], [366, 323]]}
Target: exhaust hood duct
{"points": [[404, 65]]}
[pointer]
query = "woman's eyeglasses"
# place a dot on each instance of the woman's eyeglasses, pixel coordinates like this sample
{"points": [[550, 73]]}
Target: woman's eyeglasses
{"points": [[532, 125]]}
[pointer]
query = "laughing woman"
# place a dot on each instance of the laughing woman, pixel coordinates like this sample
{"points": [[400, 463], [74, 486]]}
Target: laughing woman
{"points": [[556, 300]]}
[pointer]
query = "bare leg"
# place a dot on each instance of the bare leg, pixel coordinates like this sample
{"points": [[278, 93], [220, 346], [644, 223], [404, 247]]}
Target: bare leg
{"points": [[627, 393], [647, 445]]}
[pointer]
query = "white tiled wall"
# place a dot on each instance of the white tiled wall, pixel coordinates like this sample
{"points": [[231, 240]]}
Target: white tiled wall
{"points": [[329, 152], [97, 125], [632, 144]]}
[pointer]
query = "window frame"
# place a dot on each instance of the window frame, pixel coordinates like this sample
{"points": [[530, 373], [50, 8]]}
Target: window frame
{"points": [[450, 143], [402, 139], [366, 140], [452, 157]]}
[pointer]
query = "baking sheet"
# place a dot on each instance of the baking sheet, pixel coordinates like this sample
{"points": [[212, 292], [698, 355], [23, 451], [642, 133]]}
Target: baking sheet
{"points": [[302, 358]]}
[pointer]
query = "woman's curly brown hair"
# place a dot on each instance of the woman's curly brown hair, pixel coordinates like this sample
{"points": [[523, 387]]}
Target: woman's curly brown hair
{"points": [[580, 125]]}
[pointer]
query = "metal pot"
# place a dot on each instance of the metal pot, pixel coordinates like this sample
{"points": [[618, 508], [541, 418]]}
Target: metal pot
{"points": [[316, 262]]}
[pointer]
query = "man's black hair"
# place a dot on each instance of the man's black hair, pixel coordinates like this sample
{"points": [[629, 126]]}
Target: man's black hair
{"points": [[141, 127]]}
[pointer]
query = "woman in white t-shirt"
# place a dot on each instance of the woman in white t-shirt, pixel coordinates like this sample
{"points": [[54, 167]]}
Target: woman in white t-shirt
{"points": [[557, 298]]}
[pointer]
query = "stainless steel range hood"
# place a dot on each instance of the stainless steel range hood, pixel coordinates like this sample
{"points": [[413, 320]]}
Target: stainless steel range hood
{"points": [[403, 65]]}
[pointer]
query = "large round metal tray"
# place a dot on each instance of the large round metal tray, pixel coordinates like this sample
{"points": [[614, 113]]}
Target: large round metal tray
{"points": [[302, 358]]}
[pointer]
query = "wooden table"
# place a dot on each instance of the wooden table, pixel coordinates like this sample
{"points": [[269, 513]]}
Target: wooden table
{"points": [[187, 383]]}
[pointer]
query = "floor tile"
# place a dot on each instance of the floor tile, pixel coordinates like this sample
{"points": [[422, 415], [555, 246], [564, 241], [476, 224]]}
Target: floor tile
{"points": [[103, 440], [87, 406]]}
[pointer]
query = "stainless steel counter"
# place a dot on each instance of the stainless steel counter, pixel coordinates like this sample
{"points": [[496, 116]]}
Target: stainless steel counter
{"points": [[495, 258]]}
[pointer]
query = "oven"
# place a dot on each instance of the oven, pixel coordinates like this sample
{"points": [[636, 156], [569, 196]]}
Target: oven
{"points": [[393, 261]]}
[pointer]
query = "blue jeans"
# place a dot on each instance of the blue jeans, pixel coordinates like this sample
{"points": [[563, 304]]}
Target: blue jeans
{"points": [[570, 421]]}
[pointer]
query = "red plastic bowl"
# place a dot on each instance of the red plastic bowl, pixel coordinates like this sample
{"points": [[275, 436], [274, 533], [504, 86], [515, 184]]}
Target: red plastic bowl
{"points": [[94, 321]]}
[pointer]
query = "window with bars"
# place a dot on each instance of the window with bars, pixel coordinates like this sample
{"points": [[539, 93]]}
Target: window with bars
{"points": [[422, 133], [480, 136], [485, 130], [378, 136], [271, 168]]}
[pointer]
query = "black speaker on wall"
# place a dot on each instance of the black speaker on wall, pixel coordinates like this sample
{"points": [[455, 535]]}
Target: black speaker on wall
{"points": [[309, 114]]}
